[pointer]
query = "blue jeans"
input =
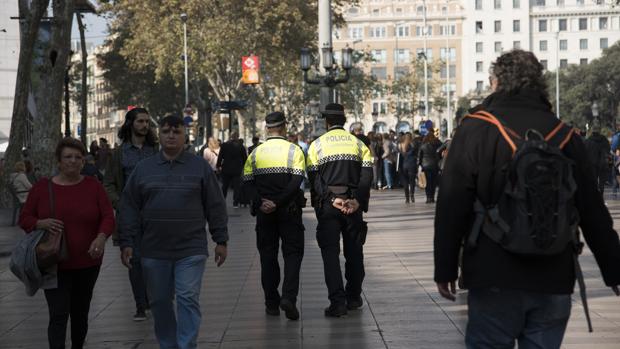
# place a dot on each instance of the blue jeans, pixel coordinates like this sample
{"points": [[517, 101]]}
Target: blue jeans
{"points": [[164, 278], [498, 317], [387, 171]]}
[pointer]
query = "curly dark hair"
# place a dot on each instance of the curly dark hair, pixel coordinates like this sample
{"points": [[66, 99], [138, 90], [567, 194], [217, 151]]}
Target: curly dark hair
{"points": [[519, 69]]}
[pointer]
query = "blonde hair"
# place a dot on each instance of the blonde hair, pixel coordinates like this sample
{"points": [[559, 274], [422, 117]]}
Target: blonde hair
{"points": [[20, 166]]}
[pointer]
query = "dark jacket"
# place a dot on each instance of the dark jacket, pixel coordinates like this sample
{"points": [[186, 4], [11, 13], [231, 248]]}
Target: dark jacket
{"points": [[599, 150], [474, 169], [231, 158], [428, 157], [410, 157]]}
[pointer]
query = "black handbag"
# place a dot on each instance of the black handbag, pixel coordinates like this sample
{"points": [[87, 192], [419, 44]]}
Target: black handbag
{"points": [[52, 248]]}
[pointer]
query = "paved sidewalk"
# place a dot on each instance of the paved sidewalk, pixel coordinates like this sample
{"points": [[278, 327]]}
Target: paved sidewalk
{"points": [[401, 310]]}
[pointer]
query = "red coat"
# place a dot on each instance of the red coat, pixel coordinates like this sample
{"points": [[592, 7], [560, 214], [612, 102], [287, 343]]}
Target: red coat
{"points": [[85, 210]]}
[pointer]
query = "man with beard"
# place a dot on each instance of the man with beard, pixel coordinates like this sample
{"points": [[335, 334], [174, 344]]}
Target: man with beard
{"points": [[139, 142]]}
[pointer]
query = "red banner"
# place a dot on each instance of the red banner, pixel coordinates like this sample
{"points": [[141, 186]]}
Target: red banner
{"points": [[250, 66]]}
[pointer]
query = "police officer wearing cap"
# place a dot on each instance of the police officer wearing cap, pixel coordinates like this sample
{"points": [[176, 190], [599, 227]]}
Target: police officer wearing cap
{"points": [[340, 172], [272, 176]]}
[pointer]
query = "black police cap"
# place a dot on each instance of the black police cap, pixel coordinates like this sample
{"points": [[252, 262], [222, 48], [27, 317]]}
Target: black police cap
{"points": [[275, 119]]}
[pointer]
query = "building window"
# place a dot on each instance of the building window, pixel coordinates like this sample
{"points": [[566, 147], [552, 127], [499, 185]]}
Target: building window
{"points": [[516, 45], [542, 45], [583, 24], [563, 45], [402, 56], [376, 11], [402, 31], [379, 73], [516, 26], [356, 33], [429, 53], [516, 4], [478, 4], [377, 32], [399, 72], [562, 25], [543, 62], [580, 2], [478, 27], [479, 86], [583, 44], [478, 47], [442, 72], [542, 25], [498, 26], [563, 63], [419, 10], [442, 53], [447, 30], [602, 23], [539, 2], [479, 67], [583, 61], [379, 56], [498, 46], [560, 2], [419, 30], [604, 43], [497, 4]]}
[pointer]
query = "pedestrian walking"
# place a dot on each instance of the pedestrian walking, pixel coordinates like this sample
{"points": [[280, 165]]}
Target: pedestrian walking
{"points": [[340, 171], [211, 152], [272, 177], [166, 204], [138, 143], [389, 160], [408, 150], [19, 181], [230, 162], [255, 143], [519, 177], [428, 159], [599, 153], [80, 210]]}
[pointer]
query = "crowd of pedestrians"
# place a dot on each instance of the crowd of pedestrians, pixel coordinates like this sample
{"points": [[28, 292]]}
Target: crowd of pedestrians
{"points": [[515, 184]]}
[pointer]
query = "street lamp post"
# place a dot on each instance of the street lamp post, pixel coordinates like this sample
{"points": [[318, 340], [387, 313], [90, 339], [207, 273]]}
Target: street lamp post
{"points": [[448, 90], [330, 74], [184, 19], [557, 73], [425, 33], [67, 113], [396, 64]]}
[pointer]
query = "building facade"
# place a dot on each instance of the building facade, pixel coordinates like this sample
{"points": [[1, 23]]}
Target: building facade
{"points": [[559, 32], [103, 119], [394, 33]]}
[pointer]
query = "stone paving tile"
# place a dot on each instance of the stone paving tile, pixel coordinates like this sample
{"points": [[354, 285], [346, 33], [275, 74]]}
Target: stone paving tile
{"points": [[401, 310]]}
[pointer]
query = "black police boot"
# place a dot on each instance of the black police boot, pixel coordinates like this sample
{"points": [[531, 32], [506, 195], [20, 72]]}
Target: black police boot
{"points": [[289, 308], [336, 310], [353, 304]]}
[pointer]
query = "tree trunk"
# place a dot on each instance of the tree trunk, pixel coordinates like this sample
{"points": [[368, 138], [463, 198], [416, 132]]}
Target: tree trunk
{"points": [[84, 94], [49, 102], [29, 29]]}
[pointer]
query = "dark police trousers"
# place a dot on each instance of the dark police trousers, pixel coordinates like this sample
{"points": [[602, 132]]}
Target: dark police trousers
{"points": [[331, 224], [284, 223]]}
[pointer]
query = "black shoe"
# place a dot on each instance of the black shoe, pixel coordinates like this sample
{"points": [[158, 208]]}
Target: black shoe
{"points": [[353, 304], [406, 200], [273, 311], [289, 308], [336, 310], [140, 315]]}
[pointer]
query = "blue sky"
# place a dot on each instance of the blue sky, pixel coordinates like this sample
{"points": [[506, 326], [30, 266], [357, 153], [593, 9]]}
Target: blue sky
{"points": [[96, 30]]}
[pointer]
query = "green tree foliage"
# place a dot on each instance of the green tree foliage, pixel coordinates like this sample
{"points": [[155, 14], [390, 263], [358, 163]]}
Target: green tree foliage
{"points": [[582, 85], [360, 86]]}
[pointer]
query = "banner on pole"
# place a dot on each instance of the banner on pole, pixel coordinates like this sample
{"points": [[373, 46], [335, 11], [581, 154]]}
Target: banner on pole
{"points": [[250, 66]]}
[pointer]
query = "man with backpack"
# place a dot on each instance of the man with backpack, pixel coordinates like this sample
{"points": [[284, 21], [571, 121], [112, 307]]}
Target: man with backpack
{"points": [[516, 187]]}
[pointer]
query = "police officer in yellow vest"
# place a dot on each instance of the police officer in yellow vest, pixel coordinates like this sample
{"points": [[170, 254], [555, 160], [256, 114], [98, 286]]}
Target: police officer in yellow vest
{"points": [[272, 176], [340, 172]]}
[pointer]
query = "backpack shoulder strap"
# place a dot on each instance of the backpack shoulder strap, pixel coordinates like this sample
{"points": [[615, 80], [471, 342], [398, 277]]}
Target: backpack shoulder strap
{"points": [[569, 132], [506, 132]]}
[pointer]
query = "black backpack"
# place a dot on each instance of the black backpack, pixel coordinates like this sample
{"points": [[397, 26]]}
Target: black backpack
{"points": [[536, 213]]}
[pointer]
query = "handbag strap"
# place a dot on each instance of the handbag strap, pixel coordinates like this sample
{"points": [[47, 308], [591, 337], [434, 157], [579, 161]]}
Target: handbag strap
{"points": [[51, 198]]}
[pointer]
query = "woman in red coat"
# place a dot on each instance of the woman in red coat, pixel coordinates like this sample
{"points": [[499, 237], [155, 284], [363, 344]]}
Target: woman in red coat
{"points": [[84, 213]]}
